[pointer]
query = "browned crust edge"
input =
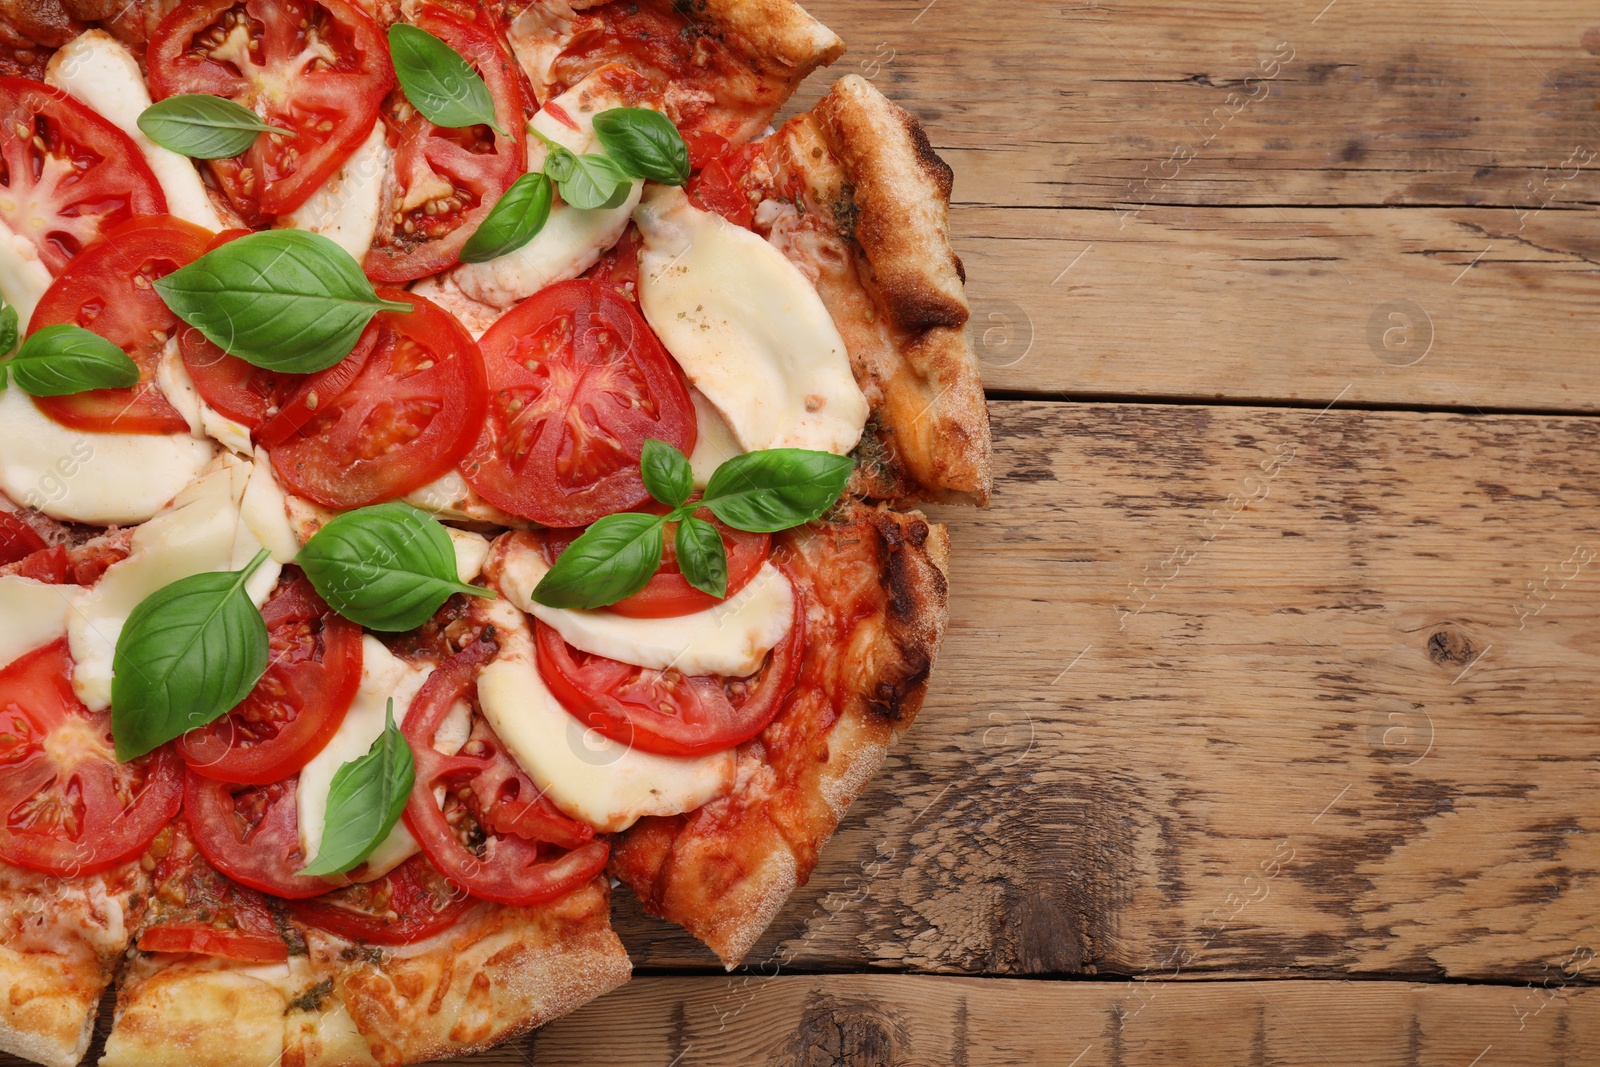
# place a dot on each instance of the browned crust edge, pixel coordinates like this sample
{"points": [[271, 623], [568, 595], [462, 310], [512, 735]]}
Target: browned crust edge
{"points": [[41, 1018], [780, 33]]}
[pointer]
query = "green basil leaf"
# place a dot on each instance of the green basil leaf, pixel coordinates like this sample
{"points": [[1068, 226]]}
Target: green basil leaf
{"points": [[667, 474], [774, 489], [596, 182], [386, 567], [644, 143], [559, 162], [438, 82], [203, 127], [613, 559], [702, 557], [8, 329], [285, 300], [516, 219], [64, 359], [365, 800], [188, 654]]}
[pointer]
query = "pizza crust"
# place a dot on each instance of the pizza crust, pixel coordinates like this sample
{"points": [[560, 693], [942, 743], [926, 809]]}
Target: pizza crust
{"points": [[725, 871]]}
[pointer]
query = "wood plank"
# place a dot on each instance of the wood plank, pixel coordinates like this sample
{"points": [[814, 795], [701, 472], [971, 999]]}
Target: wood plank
{"points": [[1458, 307], [1241, 691], [1123, 102]]}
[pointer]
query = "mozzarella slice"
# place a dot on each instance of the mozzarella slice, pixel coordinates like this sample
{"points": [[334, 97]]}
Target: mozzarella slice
{"points": [[100, 478], [471, 550], [175, 383], [605, 784], [452, 499], [346, 208], [23, 276], [714, 444], [265, 510], [731, 638], [202, 531], [95, 68], [32, 614], [747, 328], [383, 676]]}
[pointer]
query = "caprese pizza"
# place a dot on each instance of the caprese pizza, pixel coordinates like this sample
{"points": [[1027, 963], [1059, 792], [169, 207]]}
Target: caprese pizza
{"points": [[450, 455]]}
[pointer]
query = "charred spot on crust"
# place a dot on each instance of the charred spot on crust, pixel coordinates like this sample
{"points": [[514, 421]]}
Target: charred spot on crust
{"points": [[908, 581]]}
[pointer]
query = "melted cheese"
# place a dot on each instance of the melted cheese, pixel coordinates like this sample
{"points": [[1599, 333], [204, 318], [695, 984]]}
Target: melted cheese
{"points": [[175, 383], [23, 276], [346, 208], [471, 550], [91, 477], [98, 71], [265, 509], [747, 328], [452, 499], [731, 638], [202, 531], [32, 614], [714, 444], [605, 784], [382, 676]]}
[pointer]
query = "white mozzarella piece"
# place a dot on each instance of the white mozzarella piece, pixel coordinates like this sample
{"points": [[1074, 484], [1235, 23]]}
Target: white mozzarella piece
{"points": [[265, 510], [32, 614], [202, 531], [101, 478], [605, 784], [747, 328], [471, 550], [475, 317], [452, 499], [175, 383], [23, 275], [96, 69], [346, 208], [714, 444], [383, 676], [731, 638]]}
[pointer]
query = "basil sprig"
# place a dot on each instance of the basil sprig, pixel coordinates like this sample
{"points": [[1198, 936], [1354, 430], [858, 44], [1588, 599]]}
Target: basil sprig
{"points": [[760, 492], [645, 143], [517, 218], [284, 300], [202, 126], [8, 333], [188, 653], [438, 81], [387, 567], [64, 359], [365, 800]]}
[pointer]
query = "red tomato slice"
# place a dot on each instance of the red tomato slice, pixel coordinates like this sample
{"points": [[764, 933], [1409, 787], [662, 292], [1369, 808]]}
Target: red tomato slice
{"points": [[448, 180], [619, 264], [411, 902], [577, 384], [17, 539], [531, 852], [317, 67], [108, 288], [67, 807], [664, 711], [69, 176], [48, 565], [251, 834], [669, 593], [301, 396], [716, 187], [409, 416], [193, 908], [312, 675]]}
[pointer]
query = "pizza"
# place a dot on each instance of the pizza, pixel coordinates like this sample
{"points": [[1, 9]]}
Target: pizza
{"points": [[458, 461]]}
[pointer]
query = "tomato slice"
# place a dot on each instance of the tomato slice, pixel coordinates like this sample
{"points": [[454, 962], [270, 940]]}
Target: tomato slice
{"points": [[311, 678], [251, 834], [409, 416], [716, 187], [669, 593], [665, 711], [411, 902], [305, 394], [67, 807], [194, 908], [577, 384], [48, 565], [17, 539], [448, 180], [68, 175], [317, 67], [530, 852], [619, 264], [108, 288]]}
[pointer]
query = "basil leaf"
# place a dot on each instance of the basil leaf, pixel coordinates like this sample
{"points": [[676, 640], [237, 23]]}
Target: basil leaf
{"points": [[559, 162], [774, 489], [702, 557], [8, 330], [365, 800], [667, 473], [63, 359], [516, 219], [188, 653], [596, 182], [644, 143], [438, 82], [386, 567], [284, 300], [613, 559], [203, 127]]}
